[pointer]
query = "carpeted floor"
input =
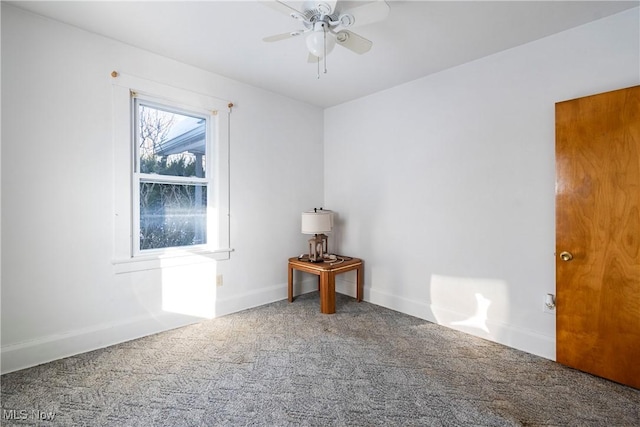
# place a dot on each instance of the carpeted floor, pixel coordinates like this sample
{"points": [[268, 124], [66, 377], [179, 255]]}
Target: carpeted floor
{"points": [[286, 364]]}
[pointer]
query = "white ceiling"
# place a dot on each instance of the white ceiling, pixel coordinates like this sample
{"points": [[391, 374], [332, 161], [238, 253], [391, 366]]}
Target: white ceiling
{"points": [[418, 38]]}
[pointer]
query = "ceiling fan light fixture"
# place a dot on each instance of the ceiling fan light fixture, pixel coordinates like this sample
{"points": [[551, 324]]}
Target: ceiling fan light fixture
{"points": [[316, 43]]}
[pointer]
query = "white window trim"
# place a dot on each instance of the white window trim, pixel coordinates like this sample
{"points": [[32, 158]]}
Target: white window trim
{"points": [[212, 225], [218, 246]]}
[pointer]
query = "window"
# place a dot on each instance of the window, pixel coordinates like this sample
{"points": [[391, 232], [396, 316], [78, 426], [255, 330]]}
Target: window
{"points": [[171, 175], [171, 179]]}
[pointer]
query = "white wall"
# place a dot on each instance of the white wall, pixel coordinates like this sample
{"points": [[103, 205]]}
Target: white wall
{"points": [[445, 185], [60, 291]]}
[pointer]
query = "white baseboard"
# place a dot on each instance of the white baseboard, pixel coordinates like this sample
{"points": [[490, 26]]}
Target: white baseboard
{"points": [[508, 335], [14, 357], [46, 349], [263, 296]]}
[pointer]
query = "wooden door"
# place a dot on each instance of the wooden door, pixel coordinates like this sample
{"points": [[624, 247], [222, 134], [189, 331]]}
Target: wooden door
{"points": [[598, 235]]}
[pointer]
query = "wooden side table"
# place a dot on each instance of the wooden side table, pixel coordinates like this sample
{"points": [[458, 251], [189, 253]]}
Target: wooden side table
{"points": [[327, 276]]}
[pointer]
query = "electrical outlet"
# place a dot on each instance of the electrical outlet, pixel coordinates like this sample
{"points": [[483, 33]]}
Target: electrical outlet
{"points": [[549, 298], [219, 280]]}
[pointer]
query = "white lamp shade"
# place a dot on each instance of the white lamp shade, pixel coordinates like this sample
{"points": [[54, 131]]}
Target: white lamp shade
{"points": [[317, 222]]}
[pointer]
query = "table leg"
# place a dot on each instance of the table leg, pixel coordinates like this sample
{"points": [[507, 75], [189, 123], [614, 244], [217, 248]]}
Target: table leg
{"points": [[359, 283], [290, 283], [327, 293]]}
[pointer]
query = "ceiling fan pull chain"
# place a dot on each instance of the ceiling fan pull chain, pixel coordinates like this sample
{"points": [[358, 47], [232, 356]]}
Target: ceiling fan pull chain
{"points": [[324, 45], [324, 30]]}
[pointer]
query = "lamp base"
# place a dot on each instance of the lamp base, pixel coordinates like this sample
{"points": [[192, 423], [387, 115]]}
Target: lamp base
{"points": [[317, 248]]}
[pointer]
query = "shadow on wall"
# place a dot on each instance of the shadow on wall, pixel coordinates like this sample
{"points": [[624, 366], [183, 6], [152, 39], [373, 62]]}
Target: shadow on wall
{"points": [[478, 307]]}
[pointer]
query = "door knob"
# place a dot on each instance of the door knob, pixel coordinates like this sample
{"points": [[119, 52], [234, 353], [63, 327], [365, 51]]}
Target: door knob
{"points": [[566, 256]]}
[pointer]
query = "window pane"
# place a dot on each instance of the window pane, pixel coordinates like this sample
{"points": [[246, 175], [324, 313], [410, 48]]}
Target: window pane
{"points": [[171, 143], [172, 215]]}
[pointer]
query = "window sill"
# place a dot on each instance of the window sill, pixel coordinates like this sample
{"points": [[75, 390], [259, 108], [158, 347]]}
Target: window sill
{"points": [[173, 259]]}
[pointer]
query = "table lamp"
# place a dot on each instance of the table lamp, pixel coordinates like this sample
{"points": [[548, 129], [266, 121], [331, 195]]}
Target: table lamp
{"points": [[317, 222]]}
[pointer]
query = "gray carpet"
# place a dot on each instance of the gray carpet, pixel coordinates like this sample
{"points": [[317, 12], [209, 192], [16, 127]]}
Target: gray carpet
{"points": [[286, 364]]}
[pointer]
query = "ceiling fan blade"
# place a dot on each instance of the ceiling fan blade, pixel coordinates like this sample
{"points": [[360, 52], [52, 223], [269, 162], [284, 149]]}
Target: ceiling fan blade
{"points": [[353, 42], [283, 36], [280, 6], [367, 13], [284, 8]]}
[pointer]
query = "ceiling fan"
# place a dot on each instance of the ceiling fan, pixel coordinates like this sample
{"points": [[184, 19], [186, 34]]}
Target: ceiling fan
{"points": [[326, 23]]}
